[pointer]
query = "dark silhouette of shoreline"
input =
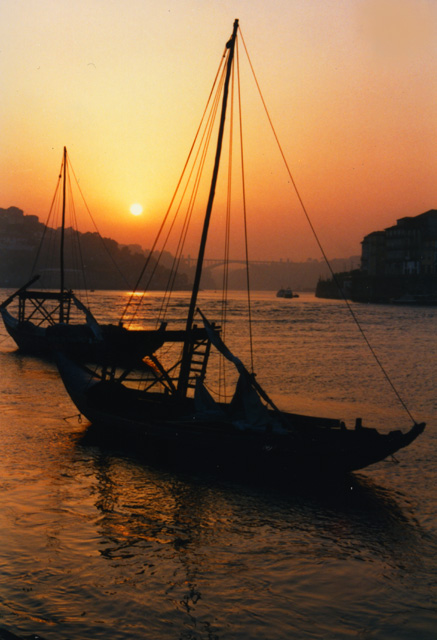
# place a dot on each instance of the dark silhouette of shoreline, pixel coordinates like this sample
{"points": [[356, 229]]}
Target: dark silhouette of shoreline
{"points": [[109, 265]]}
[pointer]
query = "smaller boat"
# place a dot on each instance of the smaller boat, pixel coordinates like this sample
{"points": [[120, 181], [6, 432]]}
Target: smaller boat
{"points": [[38, 312], [286, 293], [40, 321]]}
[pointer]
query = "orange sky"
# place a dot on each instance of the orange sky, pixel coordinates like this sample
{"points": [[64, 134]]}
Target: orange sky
{"points": [[351, 86]]}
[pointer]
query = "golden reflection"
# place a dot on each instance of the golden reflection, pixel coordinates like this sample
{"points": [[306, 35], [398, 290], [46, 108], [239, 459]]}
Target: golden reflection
{"points": [[135, 294]]}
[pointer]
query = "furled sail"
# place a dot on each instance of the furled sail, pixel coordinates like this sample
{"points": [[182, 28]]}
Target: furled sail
{"points": [[204, 404], [90, 319], [248, 393], [246, 407]]}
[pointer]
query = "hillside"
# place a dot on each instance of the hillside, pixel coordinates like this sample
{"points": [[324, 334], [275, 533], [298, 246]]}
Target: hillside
{"points": [[91, 261]]}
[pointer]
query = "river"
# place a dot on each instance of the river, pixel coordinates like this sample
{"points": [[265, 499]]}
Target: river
{"points": [[99, 541]]}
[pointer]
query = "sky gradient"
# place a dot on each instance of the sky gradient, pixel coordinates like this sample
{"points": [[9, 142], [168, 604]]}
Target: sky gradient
{"points": [[351, 87]]}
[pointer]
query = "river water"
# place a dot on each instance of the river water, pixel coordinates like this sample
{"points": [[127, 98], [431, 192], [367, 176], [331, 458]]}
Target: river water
{"points": [[99, 541]]}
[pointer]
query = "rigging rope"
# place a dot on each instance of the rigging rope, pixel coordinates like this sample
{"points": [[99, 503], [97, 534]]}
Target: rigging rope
{"points": [[353, 314], [77, 259], [75, 247], [146, 264], [225, 276], [96, 228], [48, 218], [243, 185], [202, 152]]}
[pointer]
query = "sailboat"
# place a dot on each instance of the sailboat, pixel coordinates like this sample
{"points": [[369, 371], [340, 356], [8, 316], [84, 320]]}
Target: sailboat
{"points": [[38, 310], [160, 391], [41, 321]]}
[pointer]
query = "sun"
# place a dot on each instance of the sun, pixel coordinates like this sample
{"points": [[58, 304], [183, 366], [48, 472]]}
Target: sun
{"points": [[136, 209]]}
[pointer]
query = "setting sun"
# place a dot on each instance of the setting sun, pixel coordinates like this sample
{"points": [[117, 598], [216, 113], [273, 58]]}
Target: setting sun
{"points": [[136, 209]]}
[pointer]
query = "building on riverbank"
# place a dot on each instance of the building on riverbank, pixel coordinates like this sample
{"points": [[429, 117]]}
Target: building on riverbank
{"points": [[397, 263], [407, 248]]}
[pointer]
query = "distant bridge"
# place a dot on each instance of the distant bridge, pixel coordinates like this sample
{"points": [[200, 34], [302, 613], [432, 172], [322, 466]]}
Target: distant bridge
{"points": [[210, 263]]}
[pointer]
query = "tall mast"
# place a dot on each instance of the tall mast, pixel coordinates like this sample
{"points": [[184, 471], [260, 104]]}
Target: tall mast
{"points": [[61, 308], [186, 356]]}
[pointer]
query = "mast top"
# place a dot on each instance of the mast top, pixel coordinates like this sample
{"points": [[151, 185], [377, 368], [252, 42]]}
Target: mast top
{"points": [[234, 33]]}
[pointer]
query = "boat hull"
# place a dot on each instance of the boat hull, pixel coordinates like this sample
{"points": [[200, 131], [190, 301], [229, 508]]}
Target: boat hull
{"points": [[42, 341], [160, 423], [80, 341], [28, 337]]}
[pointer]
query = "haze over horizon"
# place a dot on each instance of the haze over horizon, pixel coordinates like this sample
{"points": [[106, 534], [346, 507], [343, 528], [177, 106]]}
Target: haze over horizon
{"points": [[137, 246], [350, 86]]}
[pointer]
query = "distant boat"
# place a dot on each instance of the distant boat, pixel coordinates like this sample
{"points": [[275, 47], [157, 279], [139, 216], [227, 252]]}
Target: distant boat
{"points": [[286, 293], [164, 395]]}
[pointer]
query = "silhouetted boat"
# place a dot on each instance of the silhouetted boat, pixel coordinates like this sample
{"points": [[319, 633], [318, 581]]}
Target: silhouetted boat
{"points": [[163, 398], [286, 293], [32, 336], [46, 320], [39, 310]]}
